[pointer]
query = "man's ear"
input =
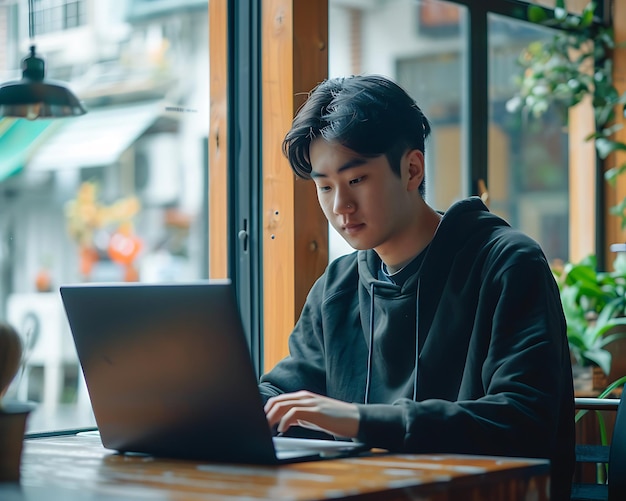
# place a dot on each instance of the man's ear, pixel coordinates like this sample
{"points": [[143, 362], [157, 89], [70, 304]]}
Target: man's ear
{"points": [[415, 159]]}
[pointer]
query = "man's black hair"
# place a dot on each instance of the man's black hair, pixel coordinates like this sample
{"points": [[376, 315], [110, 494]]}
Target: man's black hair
{"points": [[368, 114]]}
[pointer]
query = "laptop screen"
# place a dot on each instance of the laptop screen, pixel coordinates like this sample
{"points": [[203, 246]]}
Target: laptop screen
{"points": [[168, 369]]}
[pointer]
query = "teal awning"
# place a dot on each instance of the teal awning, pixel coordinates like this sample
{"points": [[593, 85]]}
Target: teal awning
{"points": [[96, 139], [19, 139]]}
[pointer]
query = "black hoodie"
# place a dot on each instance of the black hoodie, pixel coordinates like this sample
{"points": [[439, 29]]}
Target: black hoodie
{"points": [[494, 374]]}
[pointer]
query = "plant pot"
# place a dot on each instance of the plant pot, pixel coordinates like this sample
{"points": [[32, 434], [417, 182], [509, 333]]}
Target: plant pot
{"points": [[599, 378], [13, 416]]}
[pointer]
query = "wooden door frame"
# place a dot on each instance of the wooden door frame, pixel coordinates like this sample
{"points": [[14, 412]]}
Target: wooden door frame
{"points": [[294, 240], [295, 232]]}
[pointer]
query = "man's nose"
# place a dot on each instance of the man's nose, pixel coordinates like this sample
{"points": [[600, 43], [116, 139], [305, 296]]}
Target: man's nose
{"points": [[343, 204]]}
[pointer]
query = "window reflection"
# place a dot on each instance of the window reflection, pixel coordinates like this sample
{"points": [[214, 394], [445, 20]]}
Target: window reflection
{"points": [[114, 195]]}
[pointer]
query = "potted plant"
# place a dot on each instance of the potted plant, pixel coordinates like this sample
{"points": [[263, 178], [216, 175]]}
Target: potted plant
{"points": [[594, 303], [13, 415]]}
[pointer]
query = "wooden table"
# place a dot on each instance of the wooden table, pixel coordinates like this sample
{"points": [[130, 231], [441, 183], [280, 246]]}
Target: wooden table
{"points": [[78, 467]]}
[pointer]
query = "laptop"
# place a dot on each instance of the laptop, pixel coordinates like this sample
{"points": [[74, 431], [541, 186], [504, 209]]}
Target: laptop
{"points": [[169, 373]]}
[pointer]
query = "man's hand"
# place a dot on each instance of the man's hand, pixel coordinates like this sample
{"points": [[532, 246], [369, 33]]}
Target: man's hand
{"points": [[306, 409]]}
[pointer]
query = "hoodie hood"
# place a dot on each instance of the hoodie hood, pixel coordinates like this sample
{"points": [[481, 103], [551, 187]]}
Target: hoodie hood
{"points": [[463, 226], [390, 313]]}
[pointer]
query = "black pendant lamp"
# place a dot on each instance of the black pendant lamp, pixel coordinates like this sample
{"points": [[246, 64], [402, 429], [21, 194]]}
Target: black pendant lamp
{"points": [[32, 97]]}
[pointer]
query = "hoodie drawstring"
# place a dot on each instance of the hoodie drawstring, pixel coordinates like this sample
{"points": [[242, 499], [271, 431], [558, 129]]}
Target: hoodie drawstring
{"points": [[370, 351], [417, 331]]}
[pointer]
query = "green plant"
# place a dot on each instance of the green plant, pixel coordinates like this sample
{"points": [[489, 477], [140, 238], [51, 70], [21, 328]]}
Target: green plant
{"points": [[594, 303], [562, 70]]}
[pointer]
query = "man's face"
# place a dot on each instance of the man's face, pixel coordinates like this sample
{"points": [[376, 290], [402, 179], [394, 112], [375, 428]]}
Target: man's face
{"points": [[369, 205]]}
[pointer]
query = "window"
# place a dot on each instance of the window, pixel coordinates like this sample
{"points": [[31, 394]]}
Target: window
{"points": [[119, 194], [528, 157], [459, 62], [58, 15], [420, 46]]}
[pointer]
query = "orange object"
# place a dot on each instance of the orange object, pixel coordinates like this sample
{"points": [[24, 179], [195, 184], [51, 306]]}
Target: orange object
{"points": [[88, 257], [43, 280], [124, 247], [131, 274]]}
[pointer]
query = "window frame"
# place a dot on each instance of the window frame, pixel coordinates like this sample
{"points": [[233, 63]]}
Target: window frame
{"points": [[44, 15], [304, 258]]}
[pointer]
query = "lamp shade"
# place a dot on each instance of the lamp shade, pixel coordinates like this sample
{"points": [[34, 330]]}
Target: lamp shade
{"points": [[32, 97]]}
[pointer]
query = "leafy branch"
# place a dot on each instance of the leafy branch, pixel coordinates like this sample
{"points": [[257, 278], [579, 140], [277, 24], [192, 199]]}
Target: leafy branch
{"points": [[561, 71]]}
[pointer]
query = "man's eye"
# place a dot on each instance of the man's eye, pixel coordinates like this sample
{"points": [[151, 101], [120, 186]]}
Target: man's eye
{"points": [[323, 188], [357, 180]]}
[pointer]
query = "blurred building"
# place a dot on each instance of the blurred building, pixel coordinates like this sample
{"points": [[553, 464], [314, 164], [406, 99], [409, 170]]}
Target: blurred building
{"points": [[127, 180]]}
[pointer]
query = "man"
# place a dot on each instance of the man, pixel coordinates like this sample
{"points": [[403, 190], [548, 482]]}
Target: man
{"points": [[441, 333]]}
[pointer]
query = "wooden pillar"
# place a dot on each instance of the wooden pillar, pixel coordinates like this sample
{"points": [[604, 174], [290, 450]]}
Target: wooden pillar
{"points": [[614, 195], [295, 232], [218, 146]]}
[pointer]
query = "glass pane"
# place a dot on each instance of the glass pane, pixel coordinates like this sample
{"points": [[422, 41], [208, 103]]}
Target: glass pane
{"points": [[528, 157], [118, 194], [419, 45]]}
